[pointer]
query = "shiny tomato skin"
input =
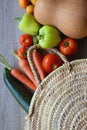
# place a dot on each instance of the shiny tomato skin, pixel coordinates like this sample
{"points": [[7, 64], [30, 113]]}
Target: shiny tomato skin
{"points": [[50, 62], [26, 40], [22, 53], [68, 46]]}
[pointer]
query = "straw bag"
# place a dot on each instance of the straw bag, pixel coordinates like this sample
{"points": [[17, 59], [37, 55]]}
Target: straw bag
{"points": [[60, 101]]}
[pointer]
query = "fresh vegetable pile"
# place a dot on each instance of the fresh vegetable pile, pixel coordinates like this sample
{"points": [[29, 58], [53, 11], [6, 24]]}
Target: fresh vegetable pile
{"points": [[46, 36], [69, 16]]}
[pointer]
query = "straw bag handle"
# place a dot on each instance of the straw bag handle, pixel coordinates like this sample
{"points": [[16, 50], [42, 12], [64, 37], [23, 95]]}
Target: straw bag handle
{"points": [[30, 59]]}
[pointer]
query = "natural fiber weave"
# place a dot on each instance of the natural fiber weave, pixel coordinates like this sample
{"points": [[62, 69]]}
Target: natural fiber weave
{"points": [[60, 101]]}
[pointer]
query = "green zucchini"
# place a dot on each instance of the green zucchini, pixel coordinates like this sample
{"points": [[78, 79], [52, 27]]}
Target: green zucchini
{"points": [[22, 95]]}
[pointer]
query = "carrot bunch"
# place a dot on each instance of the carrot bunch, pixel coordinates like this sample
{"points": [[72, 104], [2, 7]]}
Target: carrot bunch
{"points": [[25, 67], [18, 74]]}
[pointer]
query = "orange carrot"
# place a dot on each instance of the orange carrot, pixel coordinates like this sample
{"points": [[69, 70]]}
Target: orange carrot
{"points": [[24, 65], [17, 74], [38, 63], [23, 78]]}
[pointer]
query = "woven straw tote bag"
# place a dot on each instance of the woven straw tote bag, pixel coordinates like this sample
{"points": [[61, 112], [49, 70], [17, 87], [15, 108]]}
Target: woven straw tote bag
{"points": [[60, 101]]}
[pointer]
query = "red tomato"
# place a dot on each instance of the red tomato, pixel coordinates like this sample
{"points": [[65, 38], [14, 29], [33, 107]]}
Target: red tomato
{"points": [[50, 62], [22, 53], [68, 46], [26, 40]]}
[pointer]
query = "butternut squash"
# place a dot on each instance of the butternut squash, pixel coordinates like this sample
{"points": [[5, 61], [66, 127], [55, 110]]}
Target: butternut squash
{"points": [[69, 16]]}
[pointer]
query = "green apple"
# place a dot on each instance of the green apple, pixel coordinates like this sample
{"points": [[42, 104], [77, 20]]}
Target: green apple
{"points": [[48, 36], [29, 25]]}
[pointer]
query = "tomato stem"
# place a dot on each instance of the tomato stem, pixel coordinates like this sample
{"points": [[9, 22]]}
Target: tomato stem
{"points": [[54, 67], [24, 53], [66, 43]]}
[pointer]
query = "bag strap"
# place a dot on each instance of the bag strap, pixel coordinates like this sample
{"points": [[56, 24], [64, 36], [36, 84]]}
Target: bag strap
{"points": [[30, 59]]}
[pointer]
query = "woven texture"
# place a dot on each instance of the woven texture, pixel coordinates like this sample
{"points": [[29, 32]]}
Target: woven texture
{"points": [[60, 101]]}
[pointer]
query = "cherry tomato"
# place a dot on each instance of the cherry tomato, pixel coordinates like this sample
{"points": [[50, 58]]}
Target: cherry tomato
{"points": [[50, 62], [22, 53], [25, 40], [68, 46]]}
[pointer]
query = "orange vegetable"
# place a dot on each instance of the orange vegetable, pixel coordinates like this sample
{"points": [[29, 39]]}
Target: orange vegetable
{"points": [[22, 52], [68, 46], [50, 62], [23, 78], [68, 16], [38, 63], [24, 65], [30, 9], [23, 3], [25, 40], [17, 74]]}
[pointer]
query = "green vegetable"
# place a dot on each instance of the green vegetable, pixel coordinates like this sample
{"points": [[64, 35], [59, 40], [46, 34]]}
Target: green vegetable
{"points": [[48, 37], [29, 25], [21, 93], [18, 90]]}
